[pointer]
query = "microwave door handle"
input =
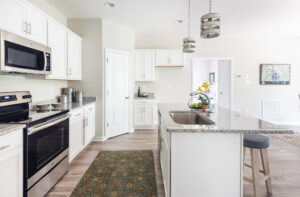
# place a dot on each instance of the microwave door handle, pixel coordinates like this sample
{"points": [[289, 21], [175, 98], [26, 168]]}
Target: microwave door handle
{"points": [[45, 61], [45, 125]]}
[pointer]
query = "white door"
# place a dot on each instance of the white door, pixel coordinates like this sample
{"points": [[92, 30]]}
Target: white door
{"points": [[37, 26], [162, 58], [12, 17], [139, 66], [76, 136], [139, 115], [117, 92], [89, 123], [149, 63], [74, 56], [57, 40], [224, 84], [149, 114]]}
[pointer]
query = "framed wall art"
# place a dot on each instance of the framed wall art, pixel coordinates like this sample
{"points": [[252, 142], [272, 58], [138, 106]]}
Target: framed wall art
{"points": [[275, 74]]}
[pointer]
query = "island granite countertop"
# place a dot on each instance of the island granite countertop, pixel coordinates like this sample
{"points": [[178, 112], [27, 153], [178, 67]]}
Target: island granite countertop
{"points": [[226, 121]]}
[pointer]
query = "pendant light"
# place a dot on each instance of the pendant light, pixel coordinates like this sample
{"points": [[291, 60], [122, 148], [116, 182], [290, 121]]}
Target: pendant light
{"points": [[189, 43], [210, 24]]}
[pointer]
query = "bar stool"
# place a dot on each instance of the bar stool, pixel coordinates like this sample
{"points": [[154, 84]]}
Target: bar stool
{"points": [[258, 144]]}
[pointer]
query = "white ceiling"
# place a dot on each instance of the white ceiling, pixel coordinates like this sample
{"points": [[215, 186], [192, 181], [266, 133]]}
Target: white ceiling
{"points": [[157, 17]]}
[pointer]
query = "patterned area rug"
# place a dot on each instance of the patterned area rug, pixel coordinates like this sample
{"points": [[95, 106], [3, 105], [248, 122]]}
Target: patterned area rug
{"points": [[119, 174], [293, 139]]}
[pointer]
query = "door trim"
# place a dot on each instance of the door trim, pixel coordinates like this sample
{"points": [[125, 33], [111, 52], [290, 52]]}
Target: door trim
{"points": [[104, 88]]}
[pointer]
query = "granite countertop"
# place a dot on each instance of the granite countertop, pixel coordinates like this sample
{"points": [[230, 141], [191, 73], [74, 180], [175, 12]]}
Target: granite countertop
{"points": [[9, 128], [226, 121], [150, 96]]}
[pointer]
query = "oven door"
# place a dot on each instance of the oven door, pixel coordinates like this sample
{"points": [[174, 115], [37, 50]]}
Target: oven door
{"points": [[22, 55], [47, 144]]}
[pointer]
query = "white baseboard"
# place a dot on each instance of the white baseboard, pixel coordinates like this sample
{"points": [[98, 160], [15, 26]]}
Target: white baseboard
{"points": [[99, 139], [131, 130]]}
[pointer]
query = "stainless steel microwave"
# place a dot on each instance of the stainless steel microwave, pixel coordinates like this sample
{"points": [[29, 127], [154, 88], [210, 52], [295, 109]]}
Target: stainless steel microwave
{"points": [[20, 55]]}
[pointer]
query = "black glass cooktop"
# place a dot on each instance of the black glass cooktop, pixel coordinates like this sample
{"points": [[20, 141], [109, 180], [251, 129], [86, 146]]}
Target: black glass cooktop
{"points": [[20, 114]]}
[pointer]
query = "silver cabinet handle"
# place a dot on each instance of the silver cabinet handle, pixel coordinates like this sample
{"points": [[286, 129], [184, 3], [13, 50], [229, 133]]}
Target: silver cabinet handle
{"points": [[47, 124], [4, 147], [77, 115], [25, 27], [29, 27]]}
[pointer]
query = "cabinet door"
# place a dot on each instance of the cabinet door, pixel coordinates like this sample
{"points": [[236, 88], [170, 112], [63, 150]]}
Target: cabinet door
{"points": [[37, 25], [162, 58], [139, 66], [175, 58], [76, 134], [57, 40], [149, 66], [74, 56], [89, 124], [11, 165], [149, 114], [139, 114], [12, 17]]}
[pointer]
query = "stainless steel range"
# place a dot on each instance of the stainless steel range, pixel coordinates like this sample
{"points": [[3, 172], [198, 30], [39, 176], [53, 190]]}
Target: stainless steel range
{"points": [[46, 141]]}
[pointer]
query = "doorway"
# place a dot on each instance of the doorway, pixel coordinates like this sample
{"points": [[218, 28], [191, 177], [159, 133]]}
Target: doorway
{"points": [[218, 73], [117, 103]]}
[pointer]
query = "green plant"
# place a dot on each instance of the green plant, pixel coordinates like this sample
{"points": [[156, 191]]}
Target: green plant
{"points": [[203, 100]]}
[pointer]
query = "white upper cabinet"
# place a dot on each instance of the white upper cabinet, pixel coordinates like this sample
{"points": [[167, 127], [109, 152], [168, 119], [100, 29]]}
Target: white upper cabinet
{"points": [[24, 20], [169, 57], [57, 41], [36, 25], [144, 65], [74, 56], [13, 17]]}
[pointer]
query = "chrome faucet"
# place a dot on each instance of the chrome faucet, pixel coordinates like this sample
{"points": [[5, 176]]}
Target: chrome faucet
{"points": [[203, 94]]}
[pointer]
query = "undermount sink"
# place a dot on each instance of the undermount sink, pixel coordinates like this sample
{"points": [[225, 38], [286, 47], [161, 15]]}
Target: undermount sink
{"points": [[190, 118]]}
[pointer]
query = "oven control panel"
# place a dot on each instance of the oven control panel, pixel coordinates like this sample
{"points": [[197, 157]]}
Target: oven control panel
{"points": [[12, 98]]}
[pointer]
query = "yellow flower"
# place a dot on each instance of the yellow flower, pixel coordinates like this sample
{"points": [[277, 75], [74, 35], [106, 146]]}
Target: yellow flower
{"points": [[205, 85], [200, 89]]}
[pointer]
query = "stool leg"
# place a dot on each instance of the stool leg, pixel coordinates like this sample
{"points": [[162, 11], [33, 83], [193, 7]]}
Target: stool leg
{"points": [[266, 168], [244, 156], [255, 171]]}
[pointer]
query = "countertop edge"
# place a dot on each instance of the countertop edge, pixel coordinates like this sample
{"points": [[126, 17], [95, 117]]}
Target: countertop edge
{"points": [[10, 128]]}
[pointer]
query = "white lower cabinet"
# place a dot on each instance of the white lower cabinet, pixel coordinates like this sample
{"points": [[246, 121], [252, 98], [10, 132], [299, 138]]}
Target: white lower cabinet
{"points": [[145, 114], [89, 123], [82, 129], [76, 134], [11, 164]]}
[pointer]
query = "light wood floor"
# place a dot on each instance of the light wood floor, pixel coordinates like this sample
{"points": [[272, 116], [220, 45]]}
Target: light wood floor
{"points": [[284, 164]]}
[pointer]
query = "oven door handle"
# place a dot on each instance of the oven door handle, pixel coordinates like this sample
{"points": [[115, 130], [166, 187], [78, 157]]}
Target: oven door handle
{"points": [[47, 124]]}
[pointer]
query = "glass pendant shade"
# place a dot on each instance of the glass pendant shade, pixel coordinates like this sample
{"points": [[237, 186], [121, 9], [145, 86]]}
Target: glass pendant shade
{"points": [[189, 45], [210, 25]]}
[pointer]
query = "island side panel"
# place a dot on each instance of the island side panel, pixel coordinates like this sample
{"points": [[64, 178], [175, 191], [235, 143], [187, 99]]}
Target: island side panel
{"points": [[206, 163]]}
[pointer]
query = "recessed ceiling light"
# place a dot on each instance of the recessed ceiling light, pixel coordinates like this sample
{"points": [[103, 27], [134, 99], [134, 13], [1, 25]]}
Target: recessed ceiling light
{"points": [[179, 21], [109, 5]]}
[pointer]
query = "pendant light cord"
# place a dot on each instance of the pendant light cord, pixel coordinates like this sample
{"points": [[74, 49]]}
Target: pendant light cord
{"points": [[210, 6], [189, 23]]}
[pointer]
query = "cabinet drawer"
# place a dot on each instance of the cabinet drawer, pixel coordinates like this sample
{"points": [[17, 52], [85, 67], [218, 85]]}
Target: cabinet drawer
{"points": [[11, 140], [90, 107]]}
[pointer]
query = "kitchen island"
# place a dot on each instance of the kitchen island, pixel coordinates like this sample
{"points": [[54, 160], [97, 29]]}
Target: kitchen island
{"points": [[201, 154]]}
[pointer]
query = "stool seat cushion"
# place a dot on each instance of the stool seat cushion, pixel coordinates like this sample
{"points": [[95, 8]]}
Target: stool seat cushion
{"points": [[256, 141]]}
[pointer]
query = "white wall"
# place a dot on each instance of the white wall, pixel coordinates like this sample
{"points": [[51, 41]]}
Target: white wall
{"points": [[40, 89], [98, 34], [50, 10], [90, 30], [120, 37], [247, 54]]}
